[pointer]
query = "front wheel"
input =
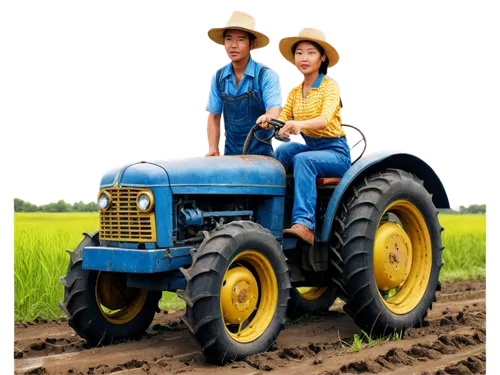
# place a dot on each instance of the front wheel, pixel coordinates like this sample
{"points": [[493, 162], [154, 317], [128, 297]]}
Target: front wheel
{"points": [[392, 252], [237, 292], [100, 306]]}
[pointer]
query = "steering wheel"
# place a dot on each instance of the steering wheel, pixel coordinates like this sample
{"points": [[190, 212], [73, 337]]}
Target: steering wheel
{"points": [[276, 127]]}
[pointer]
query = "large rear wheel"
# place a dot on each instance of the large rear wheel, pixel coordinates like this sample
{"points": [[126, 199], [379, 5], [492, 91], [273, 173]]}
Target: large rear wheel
{"points": [[237, 292], [392, 252]]}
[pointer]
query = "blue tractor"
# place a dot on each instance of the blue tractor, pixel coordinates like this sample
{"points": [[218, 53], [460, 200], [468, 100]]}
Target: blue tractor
{"points": [[210, 229]]}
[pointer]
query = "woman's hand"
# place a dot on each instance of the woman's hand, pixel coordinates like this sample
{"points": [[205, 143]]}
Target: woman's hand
{"points": [[263, 121], [291, 127]]}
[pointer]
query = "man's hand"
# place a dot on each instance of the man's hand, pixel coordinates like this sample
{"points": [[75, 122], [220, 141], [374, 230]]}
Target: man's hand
{"points": [[213, 153], [291, 127], [263, 121]]}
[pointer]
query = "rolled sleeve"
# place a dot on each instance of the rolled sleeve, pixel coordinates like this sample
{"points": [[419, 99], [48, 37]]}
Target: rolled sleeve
{"points": [[214, 104], [271, 89], [331, 101]]}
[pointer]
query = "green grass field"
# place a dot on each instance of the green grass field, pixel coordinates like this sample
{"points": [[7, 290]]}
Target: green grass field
{"points": [[40, 241], [464, 239]]}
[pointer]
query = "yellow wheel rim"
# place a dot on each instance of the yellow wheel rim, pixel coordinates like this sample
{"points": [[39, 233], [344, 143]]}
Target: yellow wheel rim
{"points": [[249, 296], [402, 258], [118, 303], [311, 293]]}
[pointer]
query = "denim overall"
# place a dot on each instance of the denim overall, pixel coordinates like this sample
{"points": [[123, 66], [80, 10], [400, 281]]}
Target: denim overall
{"points": [[319, 157], [240, 115]]}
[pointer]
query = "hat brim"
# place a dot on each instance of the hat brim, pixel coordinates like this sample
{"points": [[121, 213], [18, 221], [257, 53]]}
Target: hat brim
{"points": [[217, 35], [286, 45]]}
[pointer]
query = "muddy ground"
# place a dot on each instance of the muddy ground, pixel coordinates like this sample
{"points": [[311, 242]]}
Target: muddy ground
{"points": [[454, 342]]}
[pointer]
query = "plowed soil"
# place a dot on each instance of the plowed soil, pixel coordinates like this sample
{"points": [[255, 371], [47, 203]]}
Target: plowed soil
{"points": [[453, 342]]}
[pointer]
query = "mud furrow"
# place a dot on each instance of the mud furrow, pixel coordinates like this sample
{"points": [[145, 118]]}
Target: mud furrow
{"points": [[109, 356], [461, 296], [308, 346], [443, 351], [475, 364], [49, 346], [462, 286], [51, 339], [395, 357]]}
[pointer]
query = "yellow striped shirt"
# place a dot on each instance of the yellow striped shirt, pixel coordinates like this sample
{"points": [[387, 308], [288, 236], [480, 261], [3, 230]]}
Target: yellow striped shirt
{"points": [[323, 99]]}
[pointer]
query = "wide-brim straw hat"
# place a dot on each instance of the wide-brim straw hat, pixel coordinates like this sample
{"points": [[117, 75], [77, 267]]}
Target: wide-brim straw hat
{"points": [[311, 35], [239, 21]]}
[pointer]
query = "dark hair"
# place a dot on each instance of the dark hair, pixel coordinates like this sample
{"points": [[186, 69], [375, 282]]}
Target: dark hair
{"points": [[251, 37], [323, 68]]}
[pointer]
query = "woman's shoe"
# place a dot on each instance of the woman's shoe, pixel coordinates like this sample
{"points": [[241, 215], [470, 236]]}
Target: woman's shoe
{"points": [[302, 232]]}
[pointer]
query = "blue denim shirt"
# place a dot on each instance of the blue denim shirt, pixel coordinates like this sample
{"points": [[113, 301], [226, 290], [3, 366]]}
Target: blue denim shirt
{"points": [[269, 91]]}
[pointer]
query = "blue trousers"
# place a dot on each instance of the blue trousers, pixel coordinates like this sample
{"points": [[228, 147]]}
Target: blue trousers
{"points": [[319, 157]]}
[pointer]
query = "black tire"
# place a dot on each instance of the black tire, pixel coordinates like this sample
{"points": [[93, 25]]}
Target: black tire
{"points": [[299, 306], [205, 279], [361, 215], [81, 306]]}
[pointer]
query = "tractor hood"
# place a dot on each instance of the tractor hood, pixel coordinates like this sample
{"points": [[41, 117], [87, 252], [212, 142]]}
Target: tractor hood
{"points": [[204, 175]]}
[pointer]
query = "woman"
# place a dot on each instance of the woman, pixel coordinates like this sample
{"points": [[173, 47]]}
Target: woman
{"points": [[312, 109]]}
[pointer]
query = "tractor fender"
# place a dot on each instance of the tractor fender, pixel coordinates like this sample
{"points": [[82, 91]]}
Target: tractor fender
{"points": [[378, 161]]}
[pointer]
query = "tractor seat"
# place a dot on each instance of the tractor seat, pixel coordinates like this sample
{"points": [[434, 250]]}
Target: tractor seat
{"points": [[321, 182], [326, 181], [359, 144]]}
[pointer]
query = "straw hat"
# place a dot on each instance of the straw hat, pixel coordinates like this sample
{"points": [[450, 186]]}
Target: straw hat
{"points": [[239, 21], [308, 34]]}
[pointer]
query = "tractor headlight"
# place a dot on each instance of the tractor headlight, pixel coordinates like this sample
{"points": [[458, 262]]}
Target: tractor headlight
{"points": [[104, 200], [145, 201]]}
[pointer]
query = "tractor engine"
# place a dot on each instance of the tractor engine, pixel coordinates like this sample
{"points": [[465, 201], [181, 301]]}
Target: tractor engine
{"points": [[196, 213]]}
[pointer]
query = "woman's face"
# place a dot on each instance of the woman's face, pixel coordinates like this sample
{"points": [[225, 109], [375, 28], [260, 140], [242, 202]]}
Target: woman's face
{"points": [[307, 58]]}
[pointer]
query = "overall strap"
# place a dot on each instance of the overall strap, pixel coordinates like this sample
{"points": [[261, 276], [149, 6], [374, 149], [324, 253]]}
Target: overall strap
{"points": [[220, 81]]}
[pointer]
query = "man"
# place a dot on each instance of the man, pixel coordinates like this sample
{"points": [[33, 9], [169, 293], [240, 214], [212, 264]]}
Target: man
{"points": [[242, 91]]}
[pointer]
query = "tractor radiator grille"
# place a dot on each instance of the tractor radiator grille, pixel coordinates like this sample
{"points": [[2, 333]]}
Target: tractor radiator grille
{"points": [[123, 221]]}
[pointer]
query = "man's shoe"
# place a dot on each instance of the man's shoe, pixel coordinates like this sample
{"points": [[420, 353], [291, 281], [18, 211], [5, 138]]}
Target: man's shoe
{"points": [[300, 231]]}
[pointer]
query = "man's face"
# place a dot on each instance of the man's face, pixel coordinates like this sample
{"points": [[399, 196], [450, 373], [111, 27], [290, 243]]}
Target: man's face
{"points": [[237, 44]]}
